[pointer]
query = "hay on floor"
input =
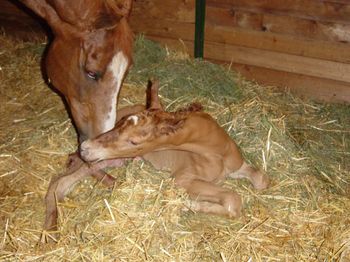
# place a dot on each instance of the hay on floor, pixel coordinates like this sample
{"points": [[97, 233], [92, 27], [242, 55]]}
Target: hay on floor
{"points": [[304, 147]]}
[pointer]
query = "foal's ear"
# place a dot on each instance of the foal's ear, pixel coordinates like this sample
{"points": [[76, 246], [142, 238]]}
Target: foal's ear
{"points": [[121, 7], [153, 101], [47, 12], [170, 126]]}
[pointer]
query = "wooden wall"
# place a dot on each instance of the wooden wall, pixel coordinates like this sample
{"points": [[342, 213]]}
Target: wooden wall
{"points": [[166, 21], [300, 44]]}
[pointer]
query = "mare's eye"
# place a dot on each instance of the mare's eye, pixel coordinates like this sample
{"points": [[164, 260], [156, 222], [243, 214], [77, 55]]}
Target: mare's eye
{"points": [[93, 75]]}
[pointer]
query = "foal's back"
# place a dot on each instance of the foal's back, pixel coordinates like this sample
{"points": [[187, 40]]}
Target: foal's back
{"points": [[205, 150]]}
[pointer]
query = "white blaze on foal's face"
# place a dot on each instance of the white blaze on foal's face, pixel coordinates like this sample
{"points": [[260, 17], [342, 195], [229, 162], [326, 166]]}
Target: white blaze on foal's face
{"points": [[134, 119], [118, 68]]}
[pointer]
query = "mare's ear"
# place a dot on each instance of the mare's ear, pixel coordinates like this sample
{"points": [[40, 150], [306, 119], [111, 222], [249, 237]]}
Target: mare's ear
{"points": [[153, 101], [121, 7], [47, 12]]}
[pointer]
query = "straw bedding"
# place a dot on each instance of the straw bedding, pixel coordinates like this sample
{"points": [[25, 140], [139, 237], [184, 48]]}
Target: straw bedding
{"points": [[304, 147]]}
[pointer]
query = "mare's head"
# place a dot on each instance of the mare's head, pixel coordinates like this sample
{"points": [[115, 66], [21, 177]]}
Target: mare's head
{"points": [[88, 58]]}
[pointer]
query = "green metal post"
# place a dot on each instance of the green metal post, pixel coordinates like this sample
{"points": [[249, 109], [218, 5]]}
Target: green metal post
{"points": [[199, 29]]}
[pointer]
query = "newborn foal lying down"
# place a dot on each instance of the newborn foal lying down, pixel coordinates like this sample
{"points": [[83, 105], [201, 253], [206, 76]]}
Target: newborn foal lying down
{"points": [[189, 143]]}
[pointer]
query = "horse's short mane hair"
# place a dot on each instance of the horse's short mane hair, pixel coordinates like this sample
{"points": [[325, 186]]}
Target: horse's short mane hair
{"points": [[194, 107], [176, 120]]}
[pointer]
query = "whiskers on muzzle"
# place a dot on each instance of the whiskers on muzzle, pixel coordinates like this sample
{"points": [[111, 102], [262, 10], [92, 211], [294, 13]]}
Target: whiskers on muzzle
{"points": [[86, 152]]}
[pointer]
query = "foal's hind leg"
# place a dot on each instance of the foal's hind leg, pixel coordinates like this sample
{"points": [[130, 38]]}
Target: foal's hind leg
{"points": [[210, 198], [257, 178]]}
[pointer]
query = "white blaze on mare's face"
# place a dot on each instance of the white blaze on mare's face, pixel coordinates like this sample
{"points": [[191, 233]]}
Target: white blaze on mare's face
{"points": [[134, 119], [118, 67]]}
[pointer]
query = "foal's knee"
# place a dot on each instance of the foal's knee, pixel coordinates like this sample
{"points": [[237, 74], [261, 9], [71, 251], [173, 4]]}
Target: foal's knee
{"points": [[259, 180]]}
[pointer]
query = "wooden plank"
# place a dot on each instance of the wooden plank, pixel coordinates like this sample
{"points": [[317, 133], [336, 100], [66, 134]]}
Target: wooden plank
{"points": [[336, 1], [305, 86], [307, 28], [10, 8], [282, 24], [339, 52], [23, 31], [175, 10], [19, 22], [17, 13], [328, 11], [172, 19], [274, 60], [164, 28]]}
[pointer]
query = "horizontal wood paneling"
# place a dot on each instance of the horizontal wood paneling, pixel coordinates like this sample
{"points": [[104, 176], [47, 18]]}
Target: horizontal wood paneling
{"points": [[303, 85], [174, 10], [294, 43], [280, 24], [281, 61], [20, 22], [12, 12], [164, 28], [279, 43], [332, 11]]}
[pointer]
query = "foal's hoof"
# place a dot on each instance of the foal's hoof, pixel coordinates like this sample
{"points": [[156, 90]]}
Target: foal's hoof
{"points": [[261, 181], [233, 205], [48, 237]]}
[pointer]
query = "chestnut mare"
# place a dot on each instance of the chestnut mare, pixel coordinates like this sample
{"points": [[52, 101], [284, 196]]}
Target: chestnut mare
{"points": [[86, 62], [88, 58]]}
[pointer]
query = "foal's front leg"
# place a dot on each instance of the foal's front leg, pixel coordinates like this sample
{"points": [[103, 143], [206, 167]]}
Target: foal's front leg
{"points": [[208, 197], [74, 162], [61, 185]]}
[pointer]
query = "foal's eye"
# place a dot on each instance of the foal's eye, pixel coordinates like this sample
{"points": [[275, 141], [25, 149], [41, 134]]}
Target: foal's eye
{"points": [[93, 75], [132, 142]]}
